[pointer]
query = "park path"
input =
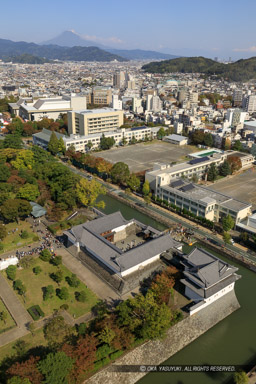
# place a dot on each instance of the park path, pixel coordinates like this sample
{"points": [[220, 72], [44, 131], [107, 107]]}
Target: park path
{"points": [[98, 286], [17, 311]]}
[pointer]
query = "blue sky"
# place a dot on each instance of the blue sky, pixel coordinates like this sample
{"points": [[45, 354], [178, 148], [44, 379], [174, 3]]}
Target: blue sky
{"points": [[212, 28]]}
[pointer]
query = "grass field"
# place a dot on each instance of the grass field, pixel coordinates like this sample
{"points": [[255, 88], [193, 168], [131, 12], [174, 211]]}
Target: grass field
{"points": [[31, 342], [35, 283], [9, 323], [13, 239]]}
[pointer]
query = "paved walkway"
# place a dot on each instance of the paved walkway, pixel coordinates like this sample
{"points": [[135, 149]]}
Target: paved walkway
{"points": [[17, 311], [99, 287]]}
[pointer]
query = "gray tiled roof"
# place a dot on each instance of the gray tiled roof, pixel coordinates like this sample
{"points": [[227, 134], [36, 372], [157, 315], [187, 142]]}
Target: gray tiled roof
{"points": [[90, 239], [206, 272]]}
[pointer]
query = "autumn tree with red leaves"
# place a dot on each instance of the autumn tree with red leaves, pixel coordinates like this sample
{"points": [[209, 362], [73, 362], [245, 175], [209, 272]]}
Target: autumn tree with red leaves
{"points": [[84, 353], [27, 370]]}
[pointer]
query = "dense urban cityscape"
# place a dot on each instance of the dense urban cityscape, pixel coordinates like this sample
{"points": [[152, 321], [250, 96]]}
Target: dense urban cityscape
{"points": [[127, 210]]}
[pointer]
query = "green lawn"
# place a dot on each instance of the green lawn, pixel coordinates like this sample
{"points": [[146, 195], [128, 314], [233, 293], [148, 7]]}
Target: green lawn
{"points": [[9, 323], [31, 342], [13, 239], [35, 283]]}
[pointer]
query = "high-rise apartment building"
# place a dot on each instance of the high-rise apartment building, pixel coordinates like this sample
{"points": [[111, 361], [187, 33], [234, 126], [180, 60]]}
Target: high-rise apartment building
{"points": [[87, 122], [102, 96], [153, 103], [119, 80], [116, 103], [250, 103], [237, 97]]}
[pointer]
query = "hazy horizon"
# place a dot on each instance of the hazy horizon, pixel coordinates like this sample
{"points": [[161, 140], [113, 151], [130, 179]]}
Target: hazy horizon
{"points": [[222, 29]]}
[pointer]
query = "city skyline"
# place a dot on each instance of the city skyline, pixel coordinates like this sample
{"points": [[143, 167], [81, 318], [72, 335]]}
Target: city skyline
{"points": [[186, 29]]}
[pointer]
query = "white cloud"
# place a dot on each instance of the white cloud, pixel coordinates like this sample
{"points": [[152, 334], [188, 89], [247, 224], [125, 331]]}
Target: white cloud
{"points": [[112, 39], [250, 49]]}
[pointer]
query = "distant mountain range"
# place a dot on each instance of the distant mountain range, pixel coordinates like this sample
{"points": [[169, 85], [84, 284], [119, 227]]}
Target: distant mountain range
{"points": [[241, 70], [71, 39], [10, 48], [25, 58]]}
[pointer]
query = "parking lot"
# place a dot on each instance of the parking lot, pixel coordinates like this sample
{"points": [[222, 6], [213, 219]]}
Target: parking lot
{"points": [[241, 187], [140, 157]]}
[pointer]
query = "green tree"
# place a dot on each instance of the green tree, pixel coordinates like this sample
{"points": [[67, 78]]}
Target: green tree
{"points": [[56, 367], [53, 145], [3, 232], [81, 296], [161, 133], [3, 316], [18, 380], [106, 335], [133, 182], [194, 178], [24, 234], [212, 172], [61, 146], [13, 209], [57, 276], [37, 270], [56, 330], [45, 255], [198, 137], [48, 292], [208, 140], [238, 146], [4, 172], [120, 173], [13, 141], [225, 169], [63, 293], [228, 223], [87, 192], [32, 328], [20, 347], [11, 272], [28, 192], [133, 140], [241, 378], [144, 316], [20, 287], [89, 145], [73, 280], [244, 237], [106, 142], [227, 238], [57, 260], [146, 188]]}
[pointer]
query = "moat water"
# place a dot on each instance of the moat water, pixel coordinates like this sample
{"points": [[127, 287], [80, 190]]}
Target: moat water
{"points": [[231, 342]]}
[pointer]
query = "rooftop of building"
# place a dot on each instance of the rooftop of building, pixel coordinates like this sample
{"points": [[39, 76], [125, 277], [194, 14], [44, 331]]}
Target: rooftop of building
{"points": [[205, 195], [175, 137], [136, 248], [206, 274], [96, 111], [45, 134]]}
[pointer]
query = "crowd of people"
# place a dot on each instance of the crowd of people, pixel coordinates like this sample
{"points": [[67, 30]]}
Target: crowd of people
{"points": [[47, 240]]}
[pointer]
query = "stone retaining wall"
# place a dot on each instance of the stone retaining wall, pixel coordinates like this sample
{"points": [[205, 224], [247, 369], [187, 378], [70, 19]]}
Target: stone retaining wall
{"points": [[157, 351]]}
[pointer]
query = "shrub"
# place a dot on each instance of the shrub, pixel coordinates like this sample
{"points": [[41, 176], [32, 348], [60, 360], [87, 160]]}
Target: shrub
{"points": [[37, 270], [24, 234], [64, 307], [57, 260], [45, 255], [62, 293], [35, 238], [48, 292], [73, 281], [35, 312], [80, 296], [116, 354], [11, 272], [103, 351]]}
